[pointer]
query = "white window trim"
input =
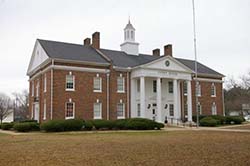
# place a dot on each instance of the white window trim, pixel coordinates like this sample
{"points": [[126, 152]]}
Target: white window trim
{"points": [[121, 117], [73, 117], [67, 89], [198, 89], [123, 83], [44, 109], [37, 89], [100, 90], [100, 117], [214, 90], [214, 106], [185, 93], [169, 110], [45, 83]]}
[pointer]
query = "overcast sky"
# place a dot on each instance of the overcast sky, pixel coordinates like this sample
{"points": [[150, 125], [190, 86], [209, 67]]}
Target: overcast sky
{"points": [[223, 30]]}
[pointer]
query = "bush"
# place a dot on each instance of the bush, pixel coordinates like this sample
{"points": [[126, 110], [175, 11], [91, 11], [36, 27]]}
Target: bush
{"points": [[28, 120], [103, 124], [7, 126], [88, 125], [120, 124], [62, 125], [142, 124], [220, 119], [234, 119], [194, 117], [209, 121], [26, 126]]}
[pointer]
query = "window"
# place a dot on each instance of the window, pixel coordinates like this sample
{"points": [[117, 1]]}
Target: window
{"points": [[138, 85], [213, 90], [132, 34], [171, 109], [37, 89], [70, 79], [185, 87], [199, 106], [44, 109], [198, 89], [120, 111], [97, 110], [127, 34], [185, 110], [32, 88], [45, 83], [138, 109], [170, 87], [154, 86], [214, 109], [69, 110], [97, 84], [120, 84]]}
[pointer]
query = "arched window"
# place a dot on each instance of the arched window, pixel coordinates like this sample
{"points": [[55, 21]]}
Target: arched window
{"points": [[213, 90], [127, 34], [132, 34]]}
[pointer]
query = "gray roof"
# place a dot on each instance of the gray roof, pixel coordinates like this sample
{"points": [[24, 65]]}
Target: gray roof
{"points": [[68, 51]]}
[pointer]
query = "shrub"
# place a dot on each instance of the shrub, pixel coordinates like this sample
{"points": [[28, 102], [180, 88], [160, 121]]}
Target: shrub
{"points": [[142, 124], [208, 121], [28, 120], [194, 117], [220, 119], [62, 125], [120, 124], [103, 124], [88, 125], [26, 126], [7, 126], [234, 119], [73, 125]]}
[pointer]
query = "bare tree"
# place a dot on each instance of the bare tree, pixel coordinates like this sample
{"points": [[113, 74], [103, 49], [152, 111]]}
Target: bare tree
{"points": [[5, 107], [245, 79], [21, 105]]}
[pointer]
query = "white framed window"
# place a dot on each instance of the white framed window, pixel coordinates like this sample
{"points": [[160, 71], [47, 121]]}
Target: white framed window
{"points": [[45, 83], [98, 110], [171, 109], [213, 90], [170, 87], [44, 109], [97, 83], [214, 109], [70, 110], [70, 82], [198, 89], [32, 88], [199, 106], [185, 88], [138, 85], [154, 86], [139, 110], [37, 89], [120, 110], [120, 84]]}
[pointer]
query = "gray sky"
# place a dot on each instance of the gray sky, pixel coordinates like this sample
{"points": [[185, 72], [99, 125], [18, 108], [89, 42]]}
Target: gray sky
{"points": [[223, 30]]}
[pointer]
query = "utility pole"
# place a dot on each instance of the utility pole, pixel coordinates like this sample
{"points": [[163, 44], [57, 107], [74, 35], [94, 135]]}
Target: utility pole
{"points": [[196, 67]]}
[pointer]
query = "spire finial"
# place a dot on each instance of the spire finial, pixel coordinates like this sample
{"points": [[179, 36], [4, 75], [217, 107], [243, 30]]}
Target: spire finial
{"points": [[129, 19]]}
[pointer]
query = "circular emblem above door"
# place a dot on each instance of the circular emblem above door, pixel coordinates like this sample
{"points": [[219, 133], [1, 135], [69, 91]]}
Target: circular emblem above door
{"points": [[167, 63]]}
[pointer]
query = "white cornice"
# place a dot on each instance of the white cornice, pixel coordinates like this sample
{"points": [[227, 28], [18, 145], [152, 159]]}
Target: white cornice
{"points": [[209, 80]]}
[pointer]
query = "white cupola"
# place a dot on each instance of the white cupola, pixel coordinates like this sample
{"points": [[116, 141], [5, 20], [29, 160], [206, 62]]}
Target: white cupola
{"points": [[129, 45]]}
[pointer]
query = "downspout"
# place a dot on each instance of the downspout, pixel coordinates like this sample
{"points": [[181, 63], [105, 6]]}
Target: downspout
{"points": [[107, 96], [128, 95], [51, 89]]}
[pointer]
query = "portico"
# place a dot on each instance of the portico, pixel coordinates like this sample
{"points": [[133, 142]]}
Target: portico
{"points": [[156, 90]]}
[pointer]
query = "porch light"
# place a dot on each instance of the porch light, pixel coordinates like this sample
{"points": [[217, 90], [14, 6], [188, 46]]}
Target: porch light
{"points": [[149, 106]]}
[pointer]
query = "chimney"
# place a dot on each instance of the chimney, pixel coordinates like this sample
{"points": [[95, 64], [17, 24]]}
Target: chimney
{"points": [[96, 40], [168, 50], [87, 41], [156, 52]]}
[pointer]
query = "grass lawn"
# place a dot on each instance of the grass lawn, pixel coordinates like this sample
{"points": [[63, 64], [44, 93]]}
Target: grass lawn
{"points": [[243, 127], [149, 148]]}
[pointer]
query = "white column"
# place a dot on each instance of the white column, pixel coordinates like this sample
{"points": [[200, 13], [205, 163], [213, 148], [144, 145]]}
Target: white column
{"points": [[159, 118], [133, 98], [179, 99], [189, 101], [175, 88], [142, 96]]}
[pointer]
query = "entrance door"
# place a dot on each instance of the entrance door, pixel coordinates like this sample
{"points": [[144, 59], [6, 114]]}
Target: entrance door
{"points": [[36, 112]]}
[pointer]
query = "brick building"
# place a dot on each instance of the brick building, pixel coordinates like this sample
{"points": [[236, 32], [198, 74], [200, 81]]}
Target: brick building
{"points": [[85, 81]]}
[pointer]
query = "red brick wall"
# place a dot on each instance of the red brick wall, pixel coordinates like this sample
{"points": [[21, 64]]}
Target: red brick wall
{"points": [[206, 100]]}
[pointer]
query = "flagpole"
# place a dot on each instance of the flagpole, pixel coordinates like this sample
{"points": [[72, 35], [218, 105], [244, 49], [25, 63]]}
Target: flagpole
{"points": [[196, 72]]}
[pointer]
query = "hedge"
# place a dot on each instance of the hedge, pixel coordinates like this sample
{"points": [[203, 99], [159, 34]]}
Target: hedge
{"points": [[142, 124], [62, 125], [26, 126], [7, 126], [209, 121], [234, 119]]}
